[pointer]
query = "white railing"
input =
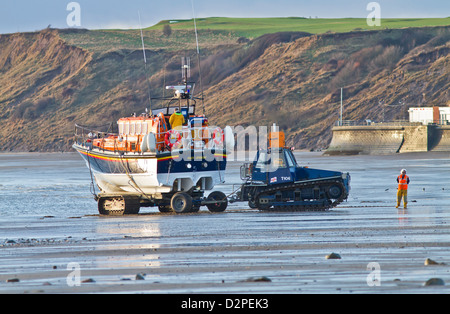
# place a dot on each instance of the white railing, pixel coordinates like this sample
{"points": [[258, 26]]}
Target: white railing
{"points": [[373, 123], [186, 137]]}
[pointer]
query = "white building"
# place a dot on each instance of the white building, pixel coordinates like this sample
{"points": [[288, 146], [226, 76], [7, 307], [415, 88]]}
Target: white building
{"points": [[428, 115]]}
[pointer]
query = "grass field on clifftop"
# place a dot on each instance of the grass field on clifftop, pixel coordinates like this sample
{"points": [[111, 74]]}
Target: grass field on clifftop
{"points": [[255, 27], [224, 31]]}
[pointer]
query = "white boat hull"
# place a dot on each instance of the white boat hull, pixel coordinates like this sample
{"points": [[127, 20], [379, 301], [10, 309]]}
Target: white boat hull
{"points": [[154, 175]]}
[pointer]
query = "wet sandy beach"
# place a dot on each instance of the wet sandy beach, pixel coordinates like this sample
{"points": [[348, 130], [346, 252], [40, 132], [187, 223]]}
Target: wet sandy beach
{"points": [[382, 249]]}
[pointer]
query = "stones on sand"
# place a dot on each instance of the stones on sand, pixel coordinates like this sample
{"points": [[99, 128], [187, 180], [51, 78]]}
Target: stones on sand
{"points": [[13, 280], [430, 262], [257, 279], [434, 282], [90, 280], [333, 256], [140, 277]]}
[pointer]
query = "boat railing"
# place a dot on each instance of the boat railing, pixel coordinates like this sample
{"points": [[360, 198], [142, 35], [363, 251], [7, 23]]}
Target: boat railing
{"points": [[196, 137], [376, 123], [84, 135]]}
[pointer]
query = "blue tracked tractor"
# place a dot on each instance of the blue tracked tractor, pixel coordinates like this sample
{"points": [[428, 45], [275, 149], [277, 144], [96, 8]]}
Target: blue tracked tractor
{"points": [[274, 181]]}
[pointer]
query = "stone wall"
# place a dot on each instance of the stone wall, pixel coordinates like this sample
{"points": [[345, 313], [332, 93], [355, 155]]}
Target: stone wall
{"points": [[416, 138], [379, 139], [440, 142]]}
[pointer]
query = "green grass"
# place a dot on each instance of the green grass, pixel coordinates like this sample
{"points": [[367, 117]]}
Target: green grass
{"points": [[216, 31], [254, 27]]}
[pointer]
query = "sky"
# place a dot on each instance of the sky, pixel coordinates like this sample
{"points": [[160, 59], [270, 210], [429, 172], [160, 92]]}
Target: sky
{"points": [[33, 15]]}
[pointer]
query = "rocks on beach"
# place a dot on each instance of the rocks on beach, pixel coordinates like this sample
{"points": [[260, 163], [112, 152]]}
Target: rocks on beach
{"points": [[434, 282], [333, 256], [430, 262]]}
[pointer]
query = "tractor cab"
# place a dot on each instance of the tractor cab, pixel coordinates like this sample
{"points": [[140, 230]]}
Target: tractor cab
{"points": [[274, 166], [278, 166], [274, 181]]}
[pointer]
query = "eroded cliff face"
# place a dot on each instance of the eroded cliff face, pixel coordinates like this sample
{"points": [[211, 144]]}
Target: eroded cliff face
{"points": [[38, 72], [298, 84], [47, 84]]}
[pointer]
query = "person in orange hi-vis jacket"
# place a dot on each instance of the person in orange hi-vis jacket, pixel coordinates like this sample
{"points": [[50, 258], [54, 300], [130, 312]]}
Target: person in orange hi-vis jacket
{"points": [[402, 192]]}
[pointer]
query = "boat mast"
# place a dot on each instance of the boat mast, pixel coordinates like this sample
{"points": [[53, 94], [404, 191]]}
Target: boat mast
{"points": [[145, 66], [198, 56], [186, 74]]}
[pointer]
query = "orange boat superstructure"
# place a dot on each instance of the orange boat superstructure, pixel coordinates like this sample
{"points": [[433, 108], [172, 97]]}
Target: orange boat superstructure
{"points": [[134, 133]]}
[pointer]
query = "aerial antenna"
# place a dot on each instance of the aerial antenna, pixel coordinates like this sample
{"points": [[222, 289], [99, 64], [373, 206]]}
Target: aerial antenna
{"points": [[186, 68], [145, 65], [195, 26], [164, 83], [198, 55]]}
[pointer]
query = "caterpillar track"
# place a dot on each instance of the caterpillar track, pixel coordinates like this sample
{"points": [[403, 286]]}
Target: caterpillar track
{"points": [[118, 205], [323, 203]]}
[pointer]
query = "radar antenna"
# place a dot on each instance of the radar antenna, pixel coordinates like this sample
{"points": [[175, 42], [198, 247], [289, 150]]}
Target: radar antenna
{"points": [[186, 69]]}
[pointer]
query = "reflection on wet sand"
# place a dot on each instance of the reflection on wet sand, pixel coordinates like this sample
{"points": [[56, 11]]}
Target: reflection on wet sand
{"points": [[122, 233], [402, 217], [217, 253]]}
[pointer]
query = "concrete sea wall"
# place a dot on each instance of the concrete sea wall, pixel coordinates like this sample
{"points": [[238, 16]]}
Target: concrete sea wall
{"points": [[385, 139], [441, 140]]}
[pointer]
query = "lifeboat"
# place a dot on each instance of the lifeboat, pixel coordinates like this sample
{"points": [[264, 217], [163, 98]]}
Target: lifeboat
{"points": [[147, 163]]}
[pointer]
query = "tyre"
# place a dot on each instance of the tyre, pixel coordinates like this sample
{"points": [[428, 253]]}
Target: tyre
{"points": [[118, 205], [165, 209], [252, 204], [181, 203], [221, 204], [334, 191], [111, 206]]}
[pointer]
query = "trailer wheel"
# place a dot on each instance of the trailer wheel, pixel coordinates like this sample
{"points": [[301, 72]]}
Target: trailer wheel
{"points": [[220, 205], [118, 205], [165, 209], [181, 203]]}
